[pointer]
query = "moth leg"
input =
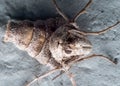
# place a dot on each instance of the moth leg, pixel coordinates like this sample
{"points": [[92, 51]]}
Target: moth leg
{"points": [[94, 33], [43, 76], [82, 11], [59, 10], [95, 55], [61, 72], [71, 76]]}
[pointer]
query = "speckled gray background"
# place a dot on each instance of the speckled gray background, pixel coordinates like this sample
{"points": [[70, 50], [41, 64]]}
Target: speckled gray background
{"points": [[17, 68]]}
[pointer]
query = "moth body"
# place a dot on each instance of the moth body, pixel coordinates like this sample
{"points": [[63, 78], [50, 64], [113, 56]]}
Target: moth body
{"points": [[55, 42]]}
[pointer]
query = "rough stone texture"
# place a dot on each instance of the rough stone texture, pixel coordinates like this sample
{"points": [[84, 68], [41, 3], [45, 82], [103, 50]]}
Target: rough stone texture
{"points": [[17, 67]]}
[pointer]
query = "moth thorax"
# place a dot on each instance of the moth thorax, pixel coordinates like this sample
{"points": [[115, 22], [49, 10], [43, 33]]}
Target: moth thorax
{"points": [[75, 46], [64, 45]]}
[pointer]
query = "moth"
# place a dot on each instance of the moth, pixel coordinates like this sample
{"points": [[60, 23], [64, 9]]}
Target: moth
{"points": [[55, 42]]}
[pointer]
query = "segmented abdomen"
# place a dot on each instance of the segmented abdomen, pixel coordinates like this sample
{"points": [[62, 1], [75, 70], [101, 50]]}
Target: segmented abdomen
{"points": [[26, 35], [33, 37]]}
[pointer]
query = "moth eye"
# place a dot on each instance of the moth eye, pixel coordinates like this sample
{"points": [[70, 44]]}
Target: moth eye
{"points": [[68, 51]]}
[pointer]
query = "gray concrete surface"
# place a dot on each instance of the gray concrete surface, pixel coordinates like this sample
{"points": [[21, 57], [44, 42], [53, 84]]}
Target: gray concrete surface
{"points": [[17, 68]]}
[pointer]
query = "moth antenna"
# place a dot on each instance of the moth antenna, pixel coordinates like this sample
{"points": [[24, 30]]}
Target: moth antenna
{"points": [[60, 11], [95, 55], [82, 11], [43, 76], [76, 16], [94, 33]]}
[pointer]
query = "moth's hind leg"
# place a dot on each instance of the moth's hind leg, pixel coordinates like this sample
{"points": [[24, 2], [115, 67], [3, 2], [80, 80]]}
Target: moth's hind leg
{"points": [[43, 76]]}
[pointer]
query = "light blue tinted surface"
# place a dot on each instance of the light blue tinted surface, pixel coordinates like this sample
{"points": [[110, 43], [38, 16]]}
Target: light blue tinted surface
{"points": [[17, 68]]}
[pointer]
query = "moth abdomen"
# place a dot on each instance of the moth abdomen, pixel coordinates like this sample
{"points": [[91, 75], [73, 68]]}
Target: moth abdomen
{"points": [[20, 33], [26, 35]]}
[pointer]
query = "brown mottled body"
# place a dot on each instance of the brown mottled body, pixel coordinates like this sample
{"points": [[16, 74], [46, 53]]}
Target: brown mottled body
{"points": [[57, 43], [33, 37]]}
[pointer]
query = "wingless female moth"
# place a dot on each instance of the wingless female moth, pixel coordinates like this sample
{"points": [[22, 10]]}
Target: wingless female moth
{"points": [[55, 42]]}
